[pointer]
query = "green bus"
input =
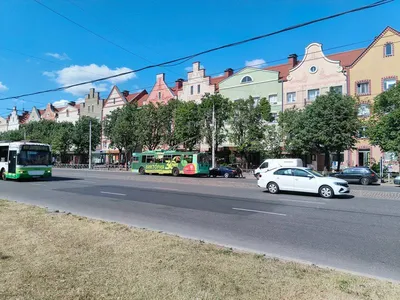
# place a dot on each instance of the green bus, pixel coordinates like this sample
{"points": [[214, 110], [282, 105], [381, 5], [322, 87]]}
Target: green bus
{"points": [[25, 160], [170, 162]]}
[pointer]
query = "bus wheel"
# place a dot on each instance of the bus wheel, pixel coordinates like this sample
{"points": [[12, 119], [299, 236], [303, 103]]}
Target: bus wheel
{"points": [[175, 172], [141, 171], [3, 175]]}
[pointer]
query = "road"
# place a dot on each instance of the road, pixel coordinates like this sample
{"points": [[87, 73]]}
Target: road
{"points": [[360, 234]]}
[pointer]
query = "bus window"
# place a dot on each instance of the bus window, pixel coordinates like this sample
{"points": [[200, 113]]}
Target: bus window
{"points": [[135, 159], [188, 158], [159, 160], [144, 159], [3, 153], [167, 158], [150, 159]]}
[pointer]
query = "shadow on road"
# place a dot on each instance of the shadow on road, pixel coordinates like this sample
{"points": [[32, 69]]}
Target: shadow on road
{"points": [[310, 194], [61, 178]]}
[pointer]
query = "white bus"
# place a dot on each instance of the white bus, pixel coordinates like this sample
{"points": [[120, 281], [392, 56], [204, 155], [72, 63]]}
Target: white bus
{"points": [[25, 160]]}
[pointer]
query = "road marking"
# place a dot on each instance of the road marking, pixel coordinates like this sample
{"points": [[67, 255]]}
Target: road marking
{"points": [[109, 193], [166, 189], [37, 184], [259, 211], [301, 201]]}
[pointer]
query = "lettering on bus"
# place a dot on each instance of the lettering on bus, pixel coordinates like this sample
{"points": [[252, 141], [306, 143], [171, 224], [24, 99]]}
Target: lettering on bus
{"points": [[34, 148]]}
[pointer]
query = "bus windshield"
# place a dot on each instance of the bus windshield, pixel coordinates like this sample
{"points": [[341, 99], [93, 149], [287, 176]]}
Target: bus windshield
{"points": [[34, 155]]}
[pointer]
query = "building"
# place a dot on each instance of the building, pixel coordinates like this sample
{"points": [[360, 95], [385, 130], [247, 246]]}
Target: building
{"points": [[198, 84], [92, 105], [254, 82], [375, 70], [161, 93], [49, 113], [68, 113], [34, 115], [315, 75]]}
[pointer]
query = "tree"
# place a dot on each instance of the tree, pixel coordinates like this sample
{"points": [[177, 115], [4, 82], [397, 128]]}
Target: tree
{"points": [[13, 135], [332, 124], [150, 126], [248, 125], [222, 112], [188, 124], [384, 125], [80, 137], [62, 139], [167, 119]]}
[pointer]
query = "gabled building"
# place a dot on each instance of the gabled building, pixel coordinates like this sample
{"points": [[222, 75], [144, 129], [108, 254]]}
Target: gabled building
{"points": [[68, 113], [13, 120], [92, 105], [374, 71], [160, 93], [49, 113], [198, 84], [34, 115], [3, 124]]}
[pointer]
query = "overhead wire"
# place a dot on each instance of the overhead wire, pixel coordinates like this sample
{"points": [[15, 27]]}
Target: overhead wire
{"points": [[185, 58]]}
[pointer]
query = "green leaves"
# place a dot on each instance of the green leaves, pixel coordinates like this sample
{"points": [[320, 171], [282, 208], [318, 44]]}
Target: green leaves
{"points": [[80, 136]]}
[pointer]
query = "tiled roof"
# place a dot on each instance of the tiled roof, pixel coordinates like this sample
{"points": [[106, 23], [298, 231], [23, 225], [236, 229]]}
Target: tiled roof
{"points": [[142, 99], [216, 81], [282, 69], [24, 118], [130, 97]]}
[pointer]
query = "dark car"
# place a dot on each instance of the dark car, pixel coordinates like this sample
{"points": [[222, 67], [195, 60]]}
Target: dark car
{"points": [[223, 171], [363, 175]]}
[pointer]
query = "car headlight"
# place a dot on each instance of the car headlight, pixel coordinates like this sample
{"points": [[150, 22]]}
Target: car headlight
{"points": [[341, 184]]}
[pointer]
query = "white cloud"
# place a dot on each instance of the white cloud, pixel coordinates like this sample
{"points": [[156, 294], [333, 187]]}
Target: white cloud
{"points": [[190, 69], [59, 56], [76, 74], [60, 103], [3, 87], [256, 63], [79, 100]]}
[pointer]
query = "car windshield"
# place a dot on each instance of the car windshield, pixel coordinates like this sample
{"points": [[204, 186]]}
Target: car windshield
{"points": [[315, 173]]}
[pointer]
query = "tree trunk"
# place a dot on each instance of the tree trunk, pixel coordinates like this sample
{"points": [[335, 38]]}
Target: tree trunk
{"points": [[338, 160], [327, 160]]}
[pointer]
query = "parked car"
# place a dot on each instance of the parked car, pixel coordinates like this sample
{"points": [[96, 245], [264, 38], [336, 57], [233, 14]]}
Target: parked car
{"points": [[226, 172], [300, 179], [397, 180], [363, 175]]}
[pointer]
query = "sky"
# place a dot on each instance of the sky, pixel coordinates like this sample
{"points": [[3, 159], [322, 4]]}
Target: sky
{"points": [[40, 50]]}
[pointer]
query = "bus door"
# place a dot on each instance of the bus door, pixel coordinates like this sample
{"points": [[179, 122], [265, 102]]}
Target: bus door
{"points": [[12, 161]]}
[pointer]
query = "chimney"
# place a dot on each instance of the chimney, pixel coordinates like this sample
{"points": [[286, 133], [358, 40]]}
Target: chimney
{"points": [[125, 93], [179, 83], [292, 60], [228, 72]]}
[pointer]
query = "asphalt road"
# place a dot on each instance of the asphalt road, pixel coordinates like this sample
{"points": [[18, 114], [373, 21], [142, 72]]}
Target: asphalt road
{"points": [[360, 234]]}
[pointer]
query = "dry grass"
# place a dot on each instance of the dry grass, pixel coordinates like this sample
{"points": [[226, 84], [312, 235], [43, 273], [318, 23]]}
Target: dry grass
{"points": [[56, 256]]}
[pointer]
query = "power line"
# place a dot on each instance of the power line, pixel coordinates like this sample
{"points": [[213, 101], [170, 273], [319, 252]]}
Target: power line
{"points": [[183, 59]]}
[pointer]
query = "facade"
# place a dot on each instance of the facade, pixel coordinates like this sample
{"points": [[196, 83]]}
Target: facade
{"points": [[92, 106], [198, 84], [254, 82], [3, 124], [34, 115], [373, 72], [69, 113], [13, 120], [315, 75], [49, 113], [160, 93]]}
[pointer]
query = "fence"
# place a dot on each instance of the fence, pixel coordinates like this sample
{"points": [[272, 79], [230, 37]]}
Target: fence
{"points": [[109, 167]]}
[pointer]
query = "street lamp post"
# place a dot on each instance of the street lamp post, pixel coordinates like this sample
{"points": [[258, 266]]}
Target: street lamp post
{"points": [[213, 137], [90, 144]]}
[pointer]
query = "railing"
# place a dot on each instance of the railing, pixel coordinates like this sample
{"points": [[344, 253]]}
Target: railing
{"points": [[106, 167]]}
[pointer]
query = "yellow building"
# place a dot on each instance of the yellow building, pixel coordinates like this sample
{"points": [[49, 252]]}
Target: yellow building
{"points": [[374, 71]]}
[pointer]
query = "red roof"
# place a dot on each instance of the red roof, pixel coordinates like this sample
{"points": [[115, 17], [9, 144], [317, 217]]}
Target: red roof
{"points": [[130, 97], [282, 69], [135, 97], [216, 81], [24, 118], [142, 99]]}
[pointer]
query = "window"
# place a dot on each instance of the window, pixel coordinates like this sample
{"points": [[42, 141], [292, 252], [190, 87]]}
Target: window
{"points": [[313, 94], [300, 173], [67, 113], [198, 89], [291, 97], [88, 109], [284, 172], [362, 133], [274, 117], [313, 69], [149, 159], [246, 79], [337, 89], [348, 171], [273, 99], [92, 108], [167, 158], [135, 159], [159, 95], [364, 110], [390, 156], [264, 165], [188, 158], [388, 83], [388, 49], [363, 88], [191, 90], [113, 102], [83, 105]]}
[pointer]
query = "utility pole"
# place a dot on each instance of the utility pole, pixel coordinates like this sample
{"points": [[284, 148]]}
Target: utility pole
{"points": [[24, 134], [213, 136], [90, 144]]}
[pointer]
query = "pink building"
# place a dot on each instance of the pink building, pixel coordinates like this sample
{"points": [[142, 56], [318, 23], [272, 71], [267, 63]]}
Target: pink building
{"points": [[161, 93]]}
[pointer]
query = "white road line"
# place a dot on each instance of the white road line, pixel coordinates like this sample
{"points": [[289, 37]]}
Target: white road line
{"points": [[109, 193], [259, 211], [37, 184], [301, 201], [164, 189]]}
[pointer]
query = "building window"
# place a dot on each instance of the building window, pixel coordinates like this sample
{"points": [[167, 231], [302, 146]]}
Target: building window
{"points": [[362, 133], [337, 89], [159, 95], [92, 108], [313, 94], [88, 108], [364, 110], [83, 105], [198, 89], [388, 48], [67, 113], [387, 83], [273, 99], [191, 90], [313, 69], [291, 97], [363, 88], [246, 79], [113, 102]]}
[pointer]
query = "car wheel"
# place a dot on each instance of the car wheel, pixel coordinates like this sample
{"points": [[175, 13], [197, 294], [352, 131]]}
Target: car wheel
{"points": [[364, 181], [273, 188], [141, 171], [326, 191], [175, 172], [214, 175], [226, 175]]}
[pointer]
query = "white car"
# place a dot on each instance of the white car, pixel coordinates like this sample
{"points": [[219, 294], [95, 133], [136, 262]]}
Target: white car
{"points": [[298, 179]]}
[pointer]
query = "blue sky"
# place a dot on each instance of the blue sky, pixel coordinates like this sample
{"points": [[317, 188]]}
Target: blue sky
{"points": [[159, 30]]}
